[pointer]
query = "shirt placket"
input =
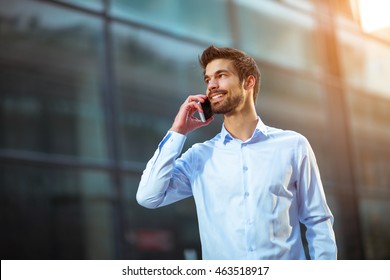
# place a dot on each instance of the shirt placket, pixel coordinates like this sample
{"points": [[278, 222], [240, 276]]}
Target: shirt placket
{"points": [[248, 218]]}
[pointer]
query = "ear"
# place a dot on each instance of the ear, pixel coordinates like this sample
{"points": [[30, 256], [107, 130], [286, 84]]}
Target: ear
{"points": [[249, 82]]}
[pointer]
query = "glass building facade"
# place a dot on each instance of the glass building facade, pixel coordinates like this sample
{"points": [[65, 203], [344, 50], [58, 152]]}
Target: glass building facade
{"points": [[89, 87]]}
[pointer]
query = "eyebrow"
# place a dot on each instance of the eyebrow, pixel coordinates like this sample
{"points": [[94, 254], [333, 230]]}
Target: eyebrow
{"points": [[216, 73]]}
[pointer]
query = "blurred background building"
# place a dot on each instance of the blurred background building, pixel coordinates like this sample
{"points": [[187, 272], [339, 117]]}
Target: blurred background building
{"points": [[89, 87]]}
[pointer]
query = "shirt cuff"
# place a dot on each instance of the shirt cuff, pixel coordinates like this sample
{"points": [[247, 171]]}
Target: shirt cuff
{"points": [[173, 140]]}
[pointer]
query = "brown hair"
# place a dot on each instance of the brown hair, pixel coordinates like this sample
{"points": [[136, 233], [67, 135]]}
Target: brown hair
{"points": [[244, 64]]}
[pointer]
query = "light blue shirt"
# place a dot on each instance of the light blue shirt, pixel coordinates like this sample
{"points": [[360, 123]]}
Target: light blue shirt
{"points": [[250, 196]]}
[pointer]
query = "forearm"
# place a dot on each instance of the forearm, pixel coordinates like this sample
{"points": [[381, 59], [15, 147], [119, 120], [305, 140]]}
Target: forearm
{"points": [[157, 176], [321, 240], [314, 210]]}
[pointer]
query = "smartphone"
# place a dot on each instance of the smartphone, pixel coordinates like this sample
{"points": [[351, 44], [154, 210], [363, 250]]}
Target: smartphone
{"points": [[207, 112]]}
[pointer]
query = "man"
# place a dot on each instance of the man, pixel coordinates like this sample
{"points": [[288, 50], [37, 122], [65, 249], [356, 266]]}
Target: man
{"points": [[253, 184]]}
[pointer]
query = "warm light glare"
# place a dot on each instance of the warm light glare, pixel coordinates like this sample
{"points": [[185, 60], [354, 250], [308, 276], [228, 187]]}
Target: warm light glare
{"points": [[374, 14]]}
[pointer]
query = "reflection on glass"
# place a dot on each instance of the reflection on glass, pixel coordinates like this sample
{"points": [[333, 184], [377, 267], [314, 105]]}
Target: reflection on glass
{"points": [[91, 4], [275, 33], [370, 119], [55, 214], [49, 81], [376, 228], [365, 63], [197, 19], [305, 5]]}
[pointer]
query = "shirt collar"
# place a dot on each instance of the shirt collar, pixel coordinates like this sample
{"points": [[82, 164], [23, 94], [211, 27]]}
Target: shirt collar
{"points": [[260, 128]]}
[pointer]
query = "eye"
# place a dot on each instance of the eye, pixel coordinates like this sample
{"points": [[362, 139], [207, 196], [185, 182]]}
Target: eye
{"points": [[207, 80], [222, 75]]}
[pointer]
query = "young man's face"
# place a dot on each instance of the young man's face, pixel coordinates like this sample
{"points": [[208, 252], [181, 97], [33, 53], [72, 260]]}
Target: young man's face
{"points": [[223, 86]]}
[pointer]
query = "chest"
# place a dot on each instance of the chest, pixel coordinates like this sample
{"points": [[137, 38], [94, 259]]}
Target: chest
{"points": [[246, 171]]}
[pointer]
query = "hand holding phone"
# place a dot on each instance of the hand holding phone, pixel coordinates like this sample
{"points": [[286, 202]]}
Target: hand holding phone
{"points": [[185, 123]]}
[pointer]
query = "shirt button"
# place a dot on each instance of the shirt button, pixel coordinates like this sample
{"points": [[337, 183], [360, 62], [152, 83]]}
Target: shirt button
{"points": [[246, 194], [245, 168]]}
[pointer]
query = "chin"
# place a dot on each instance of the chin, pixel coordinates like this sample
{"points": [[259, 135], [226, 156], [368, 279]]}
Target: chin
{"points": [[219, 108]]}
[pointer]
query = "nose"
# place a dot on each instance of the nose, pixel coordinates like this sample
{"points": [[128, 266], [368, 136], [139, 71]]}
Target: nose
{"points": [[213, 84]]}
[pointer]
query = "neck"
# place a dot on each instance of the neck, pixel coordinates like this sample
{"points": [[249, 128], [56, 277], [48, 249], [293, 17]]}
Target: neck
{"points": [[242, 124]]}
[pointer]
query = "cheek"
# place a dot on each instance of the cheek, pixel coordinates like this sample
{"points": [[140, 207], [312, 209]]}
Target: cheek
{"points": [[234, 87], [230, 84]]}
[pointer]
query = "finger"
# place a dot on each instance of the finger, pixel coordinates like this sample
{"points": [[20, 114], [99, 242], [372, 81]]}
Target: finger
{"points": [[194, 104], [198, 97], [207, 122]]}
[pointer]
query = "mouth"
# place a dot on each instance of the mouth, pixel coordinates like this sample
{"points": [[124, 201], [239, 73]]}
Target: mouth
{"points": [[217, 96]]}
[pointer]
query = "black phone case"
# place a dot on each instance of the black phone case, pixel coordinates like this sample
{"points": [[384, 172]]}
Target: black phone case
{"points": [[206, 106]]}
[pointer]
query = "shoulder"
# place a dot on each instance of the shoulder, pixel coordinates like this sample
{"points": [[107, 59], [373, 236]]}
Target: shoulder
{"points": [[286, 135], [200, 151], [290, 140], [208, 144]]}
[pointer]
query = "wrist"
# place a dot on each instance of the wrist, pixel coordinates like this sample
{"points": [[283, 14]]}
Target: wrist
{"points": [[178, 130]]}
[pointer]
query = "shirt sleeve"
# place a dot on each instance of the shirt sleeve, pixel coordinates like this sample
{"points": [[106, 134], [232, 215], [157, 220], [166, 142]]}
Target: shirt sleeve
{"points": [[313, 209], [165, 180]]}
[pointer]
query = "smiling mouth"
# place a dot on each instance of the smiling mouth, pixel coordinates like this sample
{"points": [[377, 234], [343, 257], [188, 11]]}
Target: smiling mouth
{"points": [[216, 96]]}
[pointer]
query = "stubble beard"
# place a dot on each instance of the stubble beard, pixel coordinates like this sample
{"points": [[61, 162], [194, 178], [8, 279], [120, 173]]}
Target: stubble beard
{"points": [[228, 104]]}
